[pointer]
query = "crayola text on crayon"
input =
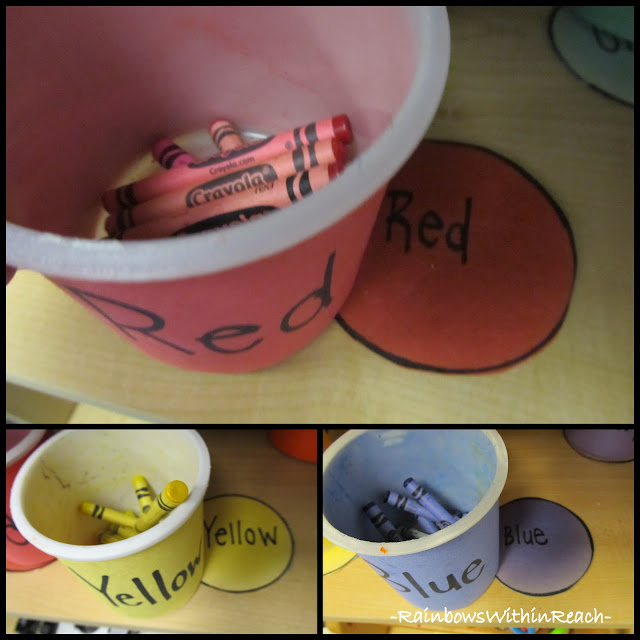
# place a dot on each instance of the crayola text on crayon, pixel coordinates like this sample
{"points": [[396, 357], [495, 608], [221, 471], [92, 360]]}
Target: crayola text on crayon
{"points": [[248, 180], [152, 587], [291, 141], [228, 164]]}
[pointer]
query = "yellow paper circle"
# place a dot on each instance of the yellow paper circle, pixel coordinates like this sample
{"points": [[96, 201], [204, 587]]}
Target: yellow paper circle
{"points": [[334, 557], [249, 545]]}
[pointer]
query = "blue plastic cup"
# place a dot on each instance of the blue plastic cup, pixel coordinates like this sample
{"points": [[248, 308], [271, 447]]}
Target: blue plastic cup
{"points": [[464, 470]]}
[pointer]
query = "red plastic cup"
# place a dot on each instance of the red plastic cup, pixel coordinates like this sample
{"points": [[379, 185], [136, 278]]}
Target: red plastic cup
{"points": [[247, 296], [21, 554], [296, 443]]}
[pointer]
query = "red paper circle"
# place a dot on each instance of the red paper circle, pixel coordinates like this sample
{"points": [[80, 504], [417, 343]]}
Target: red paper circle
{"points": [[469, 268]]}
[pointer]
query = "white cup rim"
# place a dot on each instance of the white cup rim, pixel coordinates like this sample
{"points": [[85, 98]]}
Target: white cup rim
{"points": [[122, 548], [366, 548], [25, 445]]}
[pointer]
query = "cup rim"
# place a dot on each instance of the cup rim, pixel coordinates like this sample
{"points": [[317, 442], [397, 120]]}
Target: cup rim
{"points": [[25, 445], [122, 548], [216, 251], [367, 548]]}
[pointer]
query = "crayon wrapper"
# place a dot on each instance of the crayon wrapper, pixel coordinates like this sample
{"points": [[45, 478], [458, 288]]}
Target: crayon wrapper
{"points": [[225, 136], [244, 181], [153, 186], [382, 523], [279, 193]]}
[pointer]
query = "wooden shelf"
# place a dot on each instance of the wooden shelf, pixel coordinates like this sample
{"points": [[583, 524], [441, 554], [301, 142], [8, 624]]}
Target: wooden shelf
{"points": [[242, 462], [543, 465]]}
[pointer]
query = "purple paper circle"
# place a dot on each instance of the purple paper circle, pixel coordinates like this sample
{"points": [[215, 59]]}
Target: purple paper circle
{"points": [[544, 547]]}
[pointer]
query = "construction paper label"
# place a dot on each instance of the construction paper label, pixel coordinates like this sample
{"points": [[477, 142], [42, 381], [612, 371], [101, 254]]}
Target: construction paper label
{"points": [[544, 547], [610, 445], [334, 557], [605, 61], [470, 265], [249, 545]]}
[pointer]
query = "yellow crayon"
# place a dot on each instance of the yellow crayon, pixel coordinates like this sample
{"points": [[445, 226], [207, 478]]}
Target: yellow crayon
{"points": [[124, 531], [175, 493], [104, 537], [143, 493], [110, 515]]}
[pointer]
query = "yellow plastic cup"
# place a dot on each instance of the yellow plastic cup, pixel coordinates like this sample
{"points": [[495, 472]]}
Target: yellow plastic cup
{"points": [[147, 575]]}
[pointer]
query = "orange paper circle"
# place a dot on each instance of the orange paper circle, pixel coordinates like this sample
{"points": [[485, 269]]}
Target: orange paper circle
{"points": [[469, 268]]}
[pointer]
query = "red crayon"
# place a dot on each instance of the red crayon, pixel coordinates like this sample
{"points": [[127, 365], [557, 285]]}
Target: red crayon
{"points": [[170, 155], [225, 136], [159, 183], [181, 201], [237, 208]]}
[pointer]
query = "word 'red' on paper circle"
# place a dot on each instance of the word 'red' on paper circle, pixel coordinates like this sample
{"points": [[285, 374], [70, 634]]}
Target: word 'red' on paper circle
{"points": [[470, 265]]}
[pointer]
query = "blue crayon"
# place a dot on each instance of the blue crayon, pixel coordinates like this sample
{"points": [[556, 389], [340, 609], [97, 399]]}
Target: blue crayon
{"points": [[427, 524], [381, 522], [401, 502], [410, 533], [442, 517]]}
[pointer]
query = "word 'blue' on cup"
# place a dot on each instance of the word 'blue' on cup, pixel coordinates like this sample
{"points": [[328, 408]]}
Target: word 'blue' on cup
{"points": [[464, 470]]}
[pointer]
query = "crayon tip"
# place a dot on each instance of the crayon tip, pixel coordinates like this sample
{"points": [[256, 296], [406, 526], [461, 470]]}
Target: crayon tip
{"points": [[334, 169], [177, 491], [342, 128], [407, 481], [110, 225], [159, 146], [368, 505], [339, 151], [217, 123], [109, 200]]}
